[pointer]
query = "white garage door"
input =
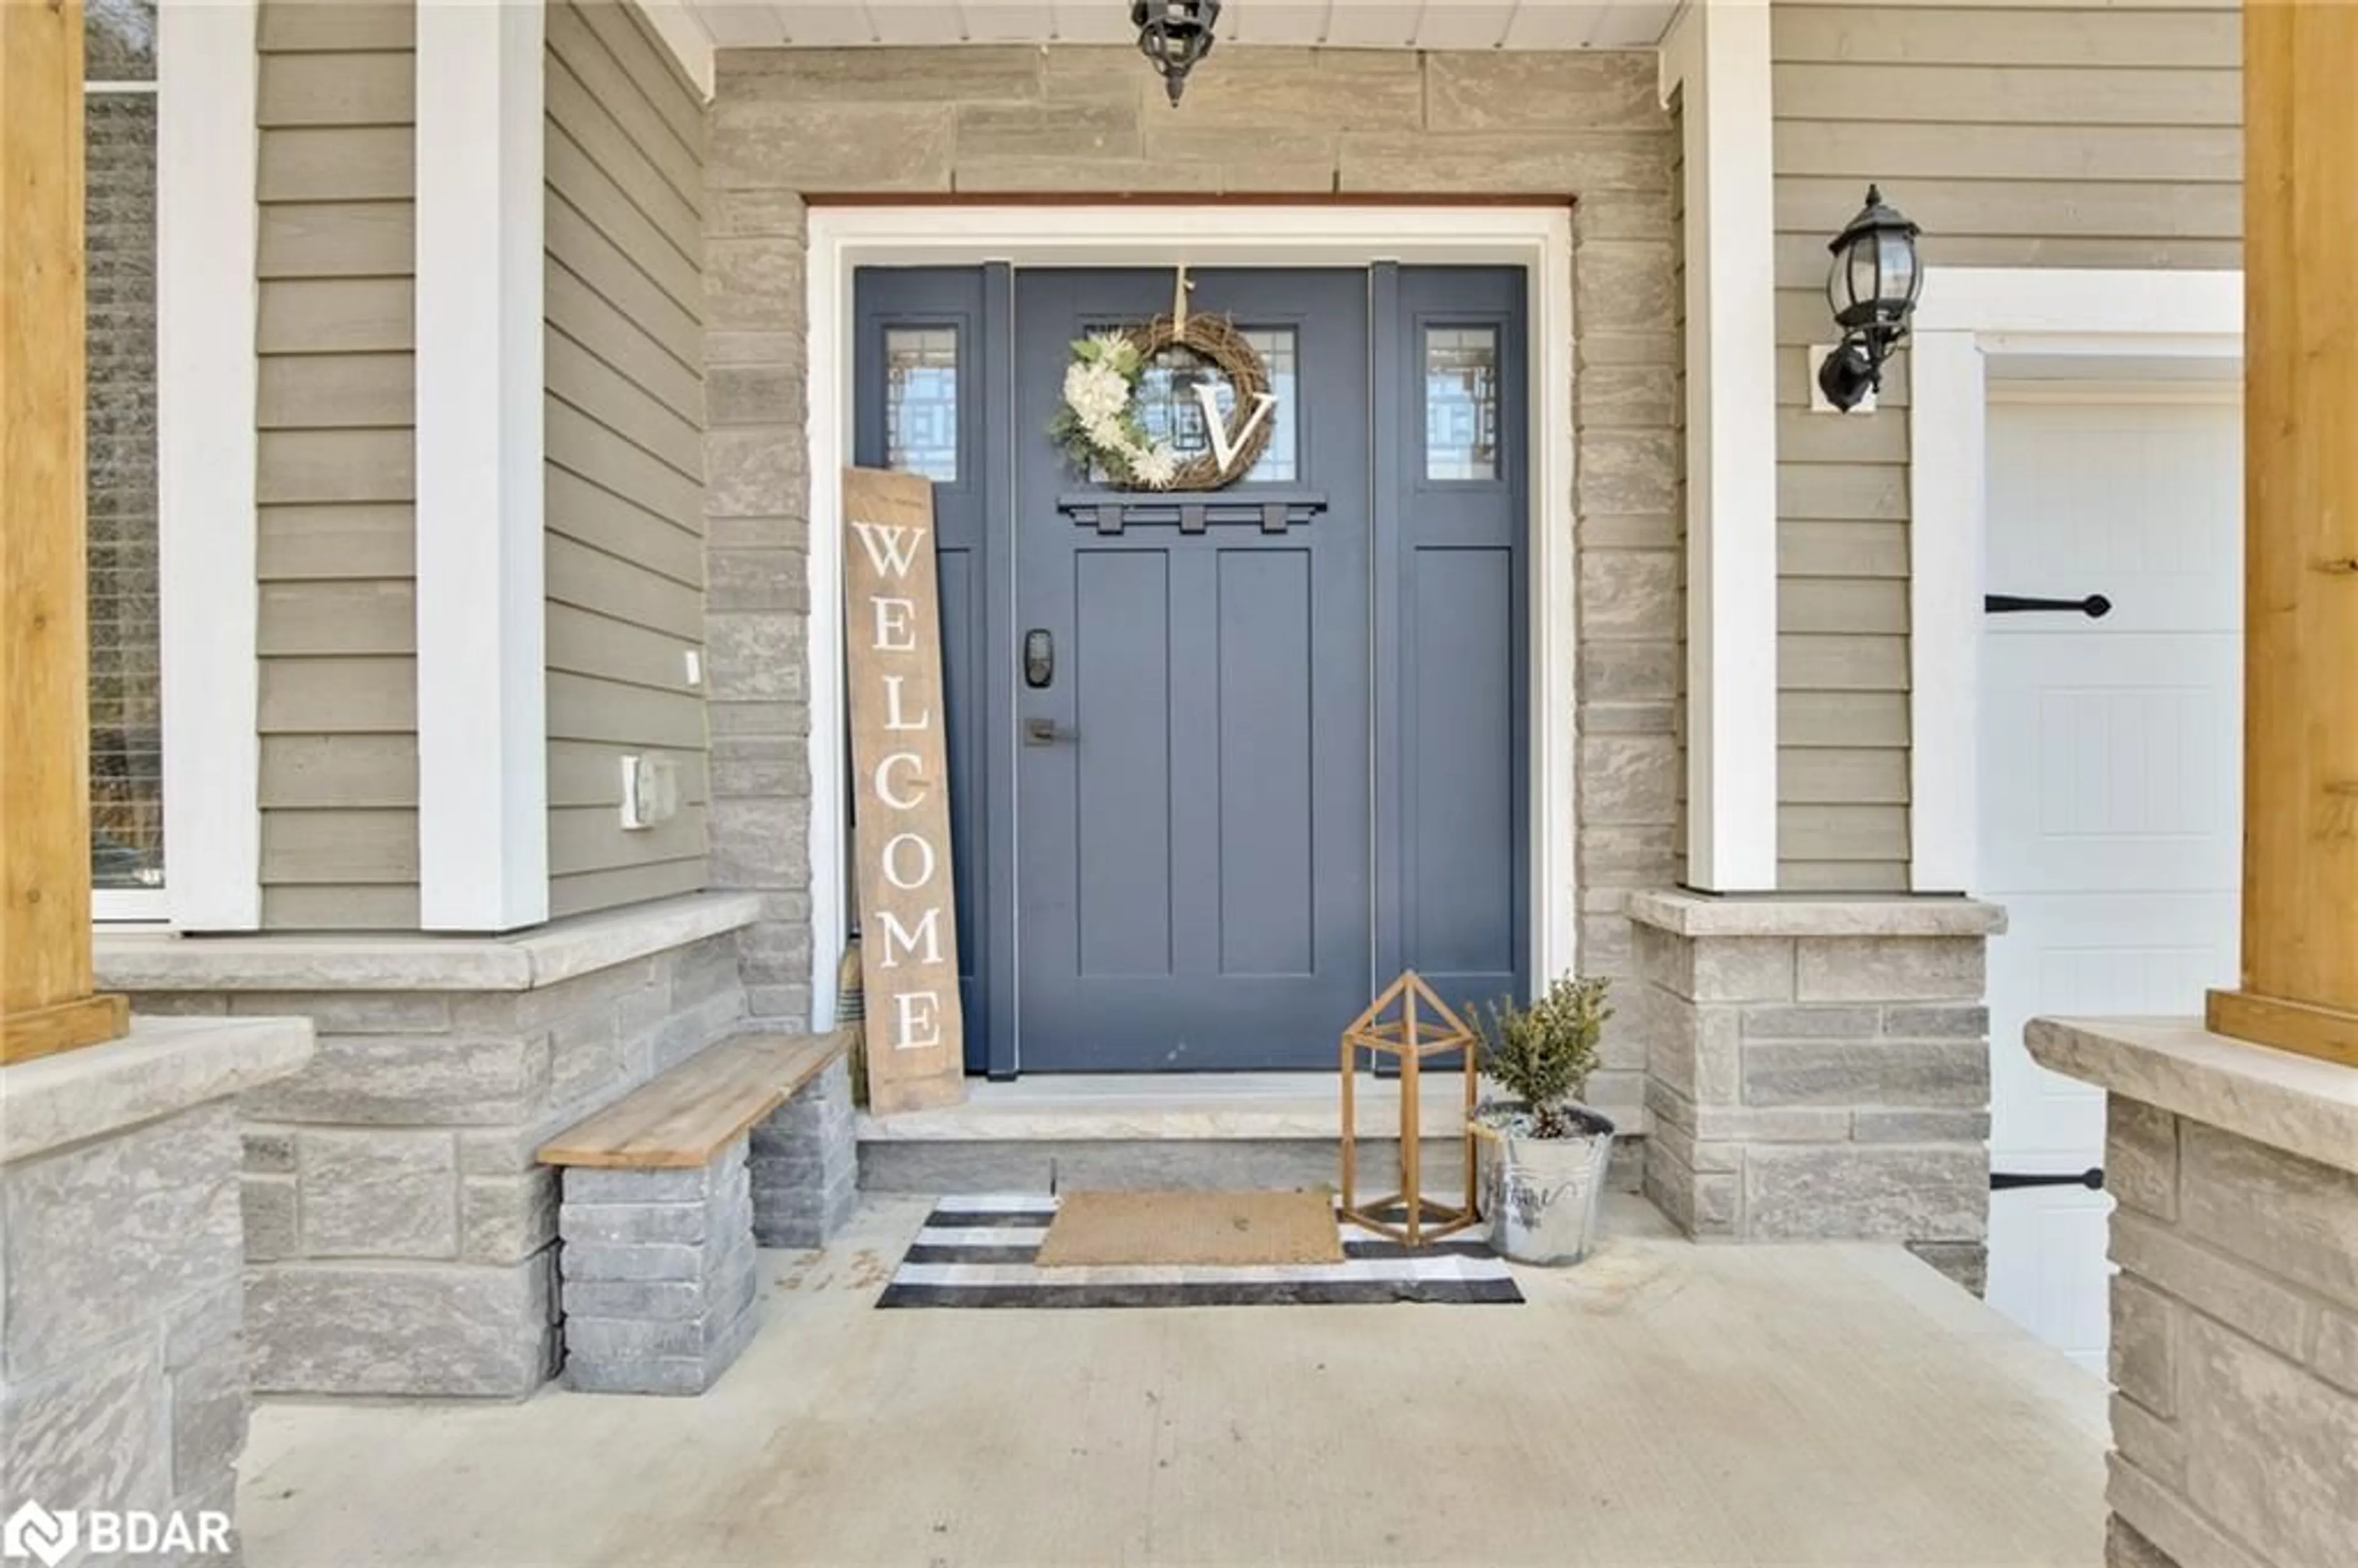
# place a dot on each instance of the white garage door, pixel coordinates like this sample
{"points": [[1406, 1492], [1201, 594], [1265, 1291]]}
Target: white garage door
{"points": [[2110, 786]]}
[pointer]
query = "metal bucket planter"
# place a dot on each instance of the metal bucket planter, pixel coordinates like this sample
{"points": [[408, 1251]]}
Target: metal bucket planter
{"points": [[1542, 1197]]}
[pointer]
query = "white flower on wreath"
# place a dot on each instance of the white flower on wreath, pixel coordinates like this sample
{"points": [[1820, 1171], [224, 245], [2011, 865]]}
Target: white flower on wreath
{"points": [[1097, 394], [1099, 391], [1155, 467]]}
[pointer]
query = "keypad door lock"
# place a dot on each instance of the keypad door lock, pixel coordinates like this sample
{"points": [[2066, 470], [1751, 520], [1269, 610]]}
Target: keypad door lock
{"points": [[1039, 659]]}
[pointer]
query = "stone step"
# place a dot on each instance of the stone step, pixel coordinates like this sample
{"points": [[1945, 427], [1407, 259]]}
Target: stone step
{"points": [[1167, 1131], [941, 1166]]}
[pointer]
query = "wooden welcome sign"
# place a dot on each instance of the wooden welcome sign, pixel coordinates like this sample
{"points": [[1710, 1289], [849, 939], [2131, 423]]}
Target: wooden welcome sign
{"points": [[900, 754]]}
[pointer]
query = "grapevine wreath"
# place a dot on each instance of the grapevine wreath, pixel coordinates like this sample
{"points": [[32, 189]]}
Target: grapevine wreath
{"points": [[1097, 425]]}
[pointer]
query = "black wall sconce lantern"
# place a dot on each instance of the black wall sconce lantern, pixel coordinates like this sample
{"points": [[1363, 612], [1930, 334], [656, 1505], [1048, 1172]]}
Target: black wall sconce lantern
{"points": [[1173, 35], [1872, 287]]}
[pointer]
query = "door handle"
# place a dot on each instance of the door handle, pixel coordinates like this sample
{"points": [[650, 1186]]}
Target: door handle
{"points": [[1043, 732], [2095, 607], [2007, 1181]]}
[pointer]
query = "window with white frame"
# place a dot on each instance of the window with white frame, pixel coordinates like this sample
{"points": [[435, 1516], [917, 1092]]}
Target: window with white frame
{"points": [[126, 780]]}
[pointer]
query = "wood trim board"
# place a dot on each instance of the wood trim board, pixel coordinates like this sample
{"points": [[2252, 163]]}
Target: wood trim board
{"points": [[45, 1003], [2299, 990], [684, 1116]]}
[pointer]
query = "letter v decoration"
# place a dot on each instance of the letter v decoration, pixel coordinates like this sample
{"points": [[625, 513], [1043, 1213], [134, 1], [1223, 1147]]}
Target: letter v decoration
{"points": [[916, 1055], [1225, 446]]}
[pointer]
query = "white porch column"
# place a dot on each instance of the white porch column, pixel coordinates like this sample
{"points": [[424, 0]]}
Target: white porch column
{"points": [[482, 786], [206, 464], [1715, 62]]}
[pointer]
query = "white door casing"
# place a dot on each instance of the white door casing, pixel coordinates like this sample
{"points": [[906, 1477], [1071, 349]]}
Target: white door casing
{"points": [[1536, 237], [2138, 329], [2109, 781]]}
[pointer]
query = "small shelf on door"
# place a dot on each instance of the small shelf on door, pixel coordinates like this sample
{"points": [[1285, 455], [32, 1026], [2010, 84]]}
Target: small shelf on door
{"points": [[1192, 511]]}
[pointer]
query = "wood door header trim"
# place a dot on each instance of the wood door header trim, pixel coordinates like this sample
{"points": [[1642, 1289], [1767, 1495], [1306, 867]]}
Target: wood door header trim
{"points": [[1328, 199]]}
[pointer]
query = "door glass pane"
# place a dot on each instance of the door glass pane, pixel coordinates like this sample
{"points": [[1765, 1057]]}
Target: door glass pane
{"points": [[921, 424], [1461, 403], [1171, 410]]}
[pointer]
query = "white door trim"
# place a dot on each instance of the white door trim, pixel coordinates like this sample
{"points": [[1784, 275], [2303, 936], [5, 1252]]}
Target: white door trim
{"points": [[206, 305], [483, 682], [1538, 238], [681, 27], [2135, 327]]}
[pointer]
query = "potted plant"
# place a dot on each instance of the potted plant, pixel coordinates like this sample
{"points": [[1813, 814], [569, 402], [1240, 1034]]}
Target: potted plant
{"points": [[1542, 1155]]}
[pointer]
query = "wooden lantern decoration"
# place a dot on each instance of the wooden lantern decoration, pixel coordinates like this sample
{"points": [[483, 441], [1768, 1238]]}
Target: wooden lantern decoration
{"points": [[1406, 1021]]}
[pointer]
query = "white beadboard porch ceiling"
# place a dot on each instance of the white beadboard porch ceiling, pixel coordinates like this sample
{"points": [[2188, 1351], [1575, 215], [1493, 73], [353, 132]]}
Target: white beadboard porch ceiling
{"points": [[1337, 24]]}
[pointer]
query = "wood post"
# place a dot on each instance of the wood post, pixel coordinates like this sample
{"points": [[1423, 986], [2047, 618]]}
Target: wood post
{"points": [[45, 1003], [2299, 986]]}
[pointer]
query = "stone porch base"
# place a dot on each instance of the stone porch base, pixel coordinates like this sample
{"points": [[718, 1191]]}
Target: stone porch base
{"points": [[122, 1376], [2234, 1343], [399, 1232], [1819, 1068]]}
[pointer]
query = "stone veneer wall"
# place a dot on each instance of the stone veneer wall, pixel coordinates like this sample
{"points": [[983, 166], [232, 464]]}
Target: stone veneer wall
{"points": [[979, 122], [122, 1355], [1819, 1070], [400, 1233], [2234, 1349], [124, 1382]]}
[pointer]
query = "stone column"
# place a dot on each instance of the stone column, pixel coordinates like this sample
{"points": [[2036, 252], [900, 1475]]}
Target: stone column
{"points": [[660, 1291], [2235, 1333], [757, 561], [123, 1374], [805, 1164], [1817, 1069]]}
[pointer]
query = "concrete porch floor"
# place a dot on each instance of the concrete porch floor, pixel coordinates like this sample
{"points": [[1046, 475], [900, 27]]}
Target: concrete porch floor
{"points": [[1662, 1404]]}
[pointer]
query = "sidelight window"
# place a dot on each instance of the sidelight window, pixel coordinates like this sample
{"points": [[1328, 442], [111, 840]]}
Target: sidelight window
{"points": [[921, 415], [1461, 403]]}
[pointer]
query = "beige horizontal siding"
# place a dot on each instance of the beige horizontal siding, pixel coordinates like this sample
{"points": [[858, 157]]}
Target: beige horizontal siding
{"points": [[2021, 133], [624, 444], [337, 455], [338, 314], [305, 773]]}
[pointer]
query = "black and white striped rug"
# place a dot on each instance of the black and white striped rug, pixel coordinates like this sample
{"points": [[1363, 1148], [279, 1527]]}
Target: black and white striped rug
{"points": [[980, 1252]]}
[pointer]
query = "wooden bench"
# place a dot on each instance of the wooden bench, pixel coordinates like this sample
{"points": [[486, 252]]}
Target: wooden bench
{"points": [[668, 1191]]}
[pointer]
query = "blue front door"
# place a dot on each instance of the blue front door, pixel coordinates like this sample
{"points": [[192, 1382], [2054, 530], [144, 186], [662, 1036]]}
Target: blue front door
{"points": [[1192, 825], [1220, 764]]}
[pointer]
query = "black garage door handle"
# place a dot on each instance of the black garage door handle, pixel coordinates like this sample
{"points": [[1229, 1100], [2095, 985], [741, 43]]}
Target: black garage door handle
{"points": [[2095, 607], [2092, 1178]]}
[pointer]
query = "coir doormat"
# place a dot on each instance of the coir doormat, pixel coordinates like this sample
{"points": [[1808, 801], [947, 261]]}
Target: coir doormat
{"points": [[1227, 1228], [984, 1251]]}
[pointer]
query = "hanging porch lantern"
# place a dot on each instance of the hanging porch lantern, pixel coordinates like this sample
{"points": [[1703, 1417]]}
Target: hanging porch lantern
{"points": [[1871, 288], [1173, 35]]}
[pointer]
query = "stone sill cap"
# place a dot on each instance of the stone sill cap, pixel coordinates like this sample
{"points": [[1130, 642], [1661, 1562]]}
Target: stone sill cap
{"points": [[142, 961], [1685, 913], [163, 1066], [2300, 1104]]}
